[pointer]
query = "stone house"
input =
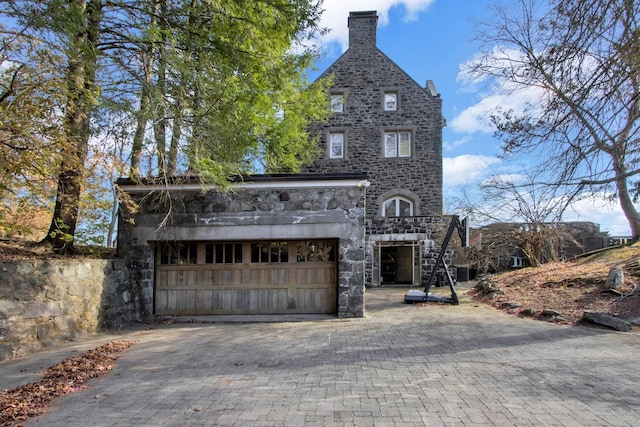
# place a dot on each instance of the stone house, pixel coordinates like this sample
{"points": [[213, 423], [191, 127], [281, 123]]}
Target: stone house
{"points": [[495, 247], [387, 125], [367, 213]]}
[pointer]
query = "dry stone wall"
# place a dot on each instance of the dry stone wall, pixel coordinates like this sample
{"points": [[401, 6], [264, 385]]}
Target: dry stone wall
{"points": [[47, 301]]}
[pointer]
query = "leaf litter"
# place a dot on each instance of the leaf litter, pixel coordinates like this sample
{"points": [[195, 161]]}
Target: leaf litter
{"points": [[570, 287], [19, 404]]}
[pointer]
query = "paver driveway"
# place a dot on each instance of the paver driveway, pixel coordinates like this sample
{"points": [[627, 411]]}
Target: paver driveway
{"points": [[402, 365]]}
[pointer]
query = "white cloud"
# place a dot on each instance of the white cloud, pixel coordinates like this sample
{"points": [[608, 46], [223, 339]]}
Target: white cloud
{"points": [[477, 118], [499, 57], [608, 214], [465, 168], [336, 13], [446, 145], [499, 94]]}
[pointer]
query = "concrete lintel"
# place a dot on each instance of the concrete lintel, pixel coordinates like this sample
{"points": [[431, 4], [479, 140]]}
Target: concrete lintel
{"points": [[272, 184], [247, 232], [226, 219], [400, 237], [281, 218]]}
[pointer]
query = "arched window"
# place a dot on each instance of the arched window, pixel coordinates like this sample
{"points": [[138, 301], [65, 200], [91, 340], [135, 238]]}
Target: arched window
{"points": [[397, 206]]}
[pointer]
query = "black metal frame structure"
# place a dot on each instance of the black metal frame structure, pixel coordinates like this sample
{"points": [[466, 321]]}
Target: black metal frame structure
{"points": [[416, 296]]}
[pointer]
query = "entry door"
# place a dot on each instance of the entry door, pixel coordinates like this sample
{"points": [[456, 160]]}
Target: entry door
{"points": [[397, 264], [404, 270]]}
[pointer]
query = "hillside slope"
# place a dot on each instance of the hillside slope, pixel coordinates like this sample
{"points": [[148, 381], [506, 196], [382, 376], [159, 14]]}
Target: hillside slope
{"points": [[569, 288]]}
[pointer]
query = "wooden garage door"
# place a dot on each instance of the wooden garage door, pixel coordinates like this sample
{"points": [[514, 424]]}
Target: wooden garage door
{"points": [[274, 277]]}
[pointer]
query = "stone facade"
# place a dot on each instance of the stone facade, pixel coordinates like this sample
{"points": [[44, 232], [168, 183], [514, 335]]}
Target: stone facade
{"points": [[48, 301], [263, 207], [423, 231], [391, 153], [363, 76]]}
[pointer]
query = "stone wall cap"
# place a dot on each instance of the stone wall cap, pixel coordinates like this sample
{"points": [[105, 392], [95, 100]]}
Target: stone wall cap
{"points": [[194, 183]]}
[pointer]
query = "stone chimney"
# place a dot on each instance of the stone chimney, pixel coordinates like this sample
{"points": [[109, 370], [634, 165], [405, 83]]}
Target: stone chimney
{"points": [[362, 29]]}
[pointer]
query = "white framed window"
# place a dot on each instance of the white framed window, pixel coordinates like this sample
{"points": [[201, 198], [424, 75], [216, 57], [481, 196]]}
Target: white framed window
{"points": [[397, 206], [336, 145], [397, 144], [390, 101], [337, 102]]}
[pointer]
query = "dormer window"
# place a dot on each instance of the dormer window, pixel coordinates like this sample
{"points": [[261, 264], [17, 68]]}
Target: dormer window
{"points": [[397, 206], [337, 102], [390, 101], [397, 144]]}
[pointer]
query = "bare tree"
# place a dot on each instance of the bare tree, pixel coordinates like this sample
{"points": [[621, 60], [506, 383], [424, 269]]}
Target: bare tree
{"points": [[578, 62], [520, 216]]}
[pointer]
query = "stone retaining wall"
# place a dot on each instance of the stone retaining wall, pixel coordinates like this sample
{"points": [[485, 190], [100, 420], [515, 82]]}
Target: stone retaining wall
{"points": [[48, 301]]}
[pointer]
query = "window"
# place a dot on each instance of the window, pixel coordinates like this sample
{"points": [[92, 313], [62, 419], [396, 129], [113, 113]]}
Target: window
{"points": [[397, 206], [219, 255], [390, 101], [336, 145], [315, 251], [397, 144], [337, 102], [269, 252], [178, 253], [223, 253], [518, 261]]}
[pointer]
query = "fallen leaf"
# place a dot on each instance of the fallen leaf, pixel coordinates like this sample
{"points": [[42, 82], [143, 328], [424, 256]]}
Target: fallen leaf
{"points": [[21, 403]]}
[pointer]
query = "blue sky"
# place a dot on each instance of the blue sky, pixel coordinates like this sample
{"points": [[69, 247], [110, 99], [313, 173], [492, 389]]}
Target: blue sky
{"points": [[430, 40]]}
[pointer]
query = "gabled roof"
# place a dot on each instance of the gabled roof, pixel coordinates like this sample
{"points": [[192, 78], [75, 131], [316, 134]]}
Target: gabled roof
{"points": [[429, 87]]}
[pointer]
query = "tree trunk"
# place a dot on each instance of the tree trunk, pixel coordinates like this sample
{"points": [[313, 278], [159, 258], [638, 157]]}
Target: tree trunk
{"points": [[138, 137], [160, 121], [148, 59], [176, 133], [626, 202], [81, 73], [176, 130]]}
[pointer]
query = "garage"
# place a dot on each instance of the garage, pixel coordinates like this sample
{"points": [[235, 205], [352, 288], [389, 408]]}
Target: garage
{"points": [[260, 277], [273, 244]]}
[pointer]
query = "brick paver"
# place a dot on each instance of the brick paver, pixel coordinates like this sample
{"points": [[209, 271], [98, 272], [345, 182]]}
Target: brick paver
{"points": [[402, 365]]}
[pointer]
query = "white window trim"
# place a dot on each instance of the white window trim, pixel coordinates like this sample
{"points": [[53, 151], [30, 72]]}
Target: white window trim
{"points": [[342, 146], [397, 200], [384, 101], [400, 142], [390, 148], [396, 147], [337, 104]]}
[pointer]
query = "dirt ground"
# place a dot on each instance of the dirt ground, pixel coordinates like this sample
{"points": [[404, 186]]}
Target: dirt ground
{"points": [[569, 288]]}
